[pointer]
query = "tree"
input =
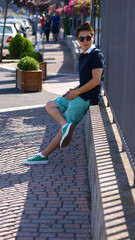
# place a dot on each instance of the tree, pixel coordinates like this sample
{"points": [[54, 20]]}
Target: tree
{"points": [[19, 3], [32, 5], [5, 17], [1, 10]]}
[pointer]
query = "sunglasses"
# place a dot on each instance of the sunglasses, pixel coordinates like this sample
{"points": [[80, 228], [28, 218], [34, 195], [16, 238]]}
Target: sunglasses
{"points": [[88, 38]]}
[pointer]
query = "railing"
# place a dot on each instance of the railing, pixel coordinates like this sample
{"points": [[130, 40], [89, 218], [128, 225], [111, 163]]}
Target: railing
{"points": [[118, 48], [96, 21]]}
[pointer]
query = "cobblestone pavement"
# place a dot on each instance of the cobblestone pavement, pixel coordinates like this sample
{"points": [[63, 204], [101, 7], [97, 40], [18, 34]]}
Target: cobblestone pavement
{"points": [[60, 77], [58, 57], [43, 202], [56, 54], [11, 97]]}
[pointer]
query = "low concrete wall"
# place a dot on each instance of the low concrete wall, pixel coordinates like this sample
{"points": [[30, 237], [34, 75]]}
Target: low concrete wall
{"points": [[75, 49], [110, 177], [61, 33]]}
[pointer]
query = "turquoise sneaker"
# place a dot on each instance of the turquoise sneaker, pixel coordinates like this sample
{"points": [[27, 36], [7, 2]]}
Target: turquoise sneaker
{"points": [[67, 132], [37, 159]]}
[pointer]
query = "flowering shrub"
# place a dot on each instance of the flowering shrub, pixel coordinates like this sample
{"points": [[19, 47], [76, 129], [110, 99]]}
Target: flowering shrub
{"points": [[75, 7], [59, 11]]}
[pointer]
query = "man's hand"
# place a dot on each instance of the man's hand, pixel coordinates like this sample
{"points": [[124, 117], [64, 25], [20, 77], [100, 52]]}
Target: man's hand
{"points": [[72, 94]]}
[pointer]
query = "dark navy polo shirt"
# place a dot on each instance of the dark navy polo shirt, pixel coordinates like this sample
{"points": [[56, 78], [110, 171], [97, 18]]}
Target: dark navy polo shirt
{"points": [[88, 62]]}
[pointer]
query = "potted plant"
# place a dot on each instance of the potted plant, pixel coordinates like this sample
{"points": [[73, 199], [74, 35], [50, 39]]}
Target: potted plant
{"points": [[28, 75], [38, 57]]}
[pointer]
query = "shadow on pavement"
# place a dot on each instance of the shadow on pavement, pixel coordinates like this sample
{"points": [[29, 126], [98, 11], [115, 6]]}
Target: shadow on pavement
{"points": [[43, 201], [59, 56]]}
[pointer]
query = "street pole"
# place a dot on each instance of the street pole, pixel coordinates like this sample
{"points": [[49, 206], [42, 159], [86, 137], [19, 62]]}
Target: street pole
{"points": [[92, 13], [5, 17], [36, 24]]}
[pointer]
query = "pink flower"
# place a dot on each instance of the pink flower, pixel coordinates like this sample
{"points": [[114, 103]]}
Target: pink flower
{"points": [[76, 7]]}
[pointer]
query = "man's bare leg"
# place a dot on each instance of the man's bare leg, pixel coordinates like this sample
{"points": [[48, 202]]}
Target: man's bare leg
{"points": [[55, 112], [42, 158], [53, 145]]}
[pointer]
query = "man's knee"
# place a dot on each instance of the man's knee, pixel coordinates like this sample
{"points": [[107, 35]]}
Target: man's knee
{"points": [[49, 105]]}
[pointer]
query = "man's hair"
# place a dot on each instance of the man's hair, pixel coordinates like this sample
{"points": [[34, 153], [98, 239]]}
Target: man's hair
{"points": [[85, 27]]}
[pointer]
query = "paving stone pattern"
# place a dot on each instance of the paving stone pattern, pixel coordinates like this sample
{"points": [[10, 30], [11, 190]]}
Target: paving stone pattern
{"points": [[43, 202], [58, 57]]}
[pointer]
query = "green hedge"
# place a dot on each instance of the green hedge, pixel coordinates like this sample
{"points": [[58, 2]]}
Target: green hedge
{"points": [[28, 64], [36, 55], [19, 45]]}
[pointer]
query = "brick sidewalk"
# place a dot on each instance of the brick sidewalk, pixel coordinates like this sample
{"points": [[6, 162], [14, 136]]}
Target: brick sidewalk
{"points": [[58, 56], [49, 202], [59, 73]]}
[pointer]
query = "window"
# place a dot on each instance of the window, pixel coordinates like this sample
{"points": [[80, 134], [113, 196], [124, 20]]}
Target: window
{"points": [[8, 29]]}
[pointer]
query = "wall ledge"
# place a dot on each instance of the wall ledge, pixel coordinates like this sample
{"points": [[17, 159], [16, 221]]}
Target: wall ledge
{"points": [[73, 45], [110, 177]]}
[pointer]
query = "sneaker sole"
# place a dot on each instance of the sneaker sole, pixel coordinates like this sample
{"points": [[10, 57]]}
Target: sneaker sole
{"points": [[68, 137], [34, 163]]}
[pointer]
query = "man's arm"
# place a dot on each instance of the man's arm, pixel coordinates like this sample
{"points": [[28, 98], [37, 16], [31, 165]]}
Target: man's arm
{"points": [[71, 89], [96, 78]]}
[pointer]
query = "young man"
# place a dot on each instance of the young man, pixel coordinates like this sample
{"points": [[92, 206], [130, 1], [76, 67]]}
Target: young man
{"points": [[68, 110], [55, 20], [47, 27], [42, 20]]}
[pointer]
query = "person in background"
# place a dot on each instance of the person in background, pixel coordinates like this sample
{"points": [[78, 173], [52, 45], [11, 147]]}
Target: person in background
{"points": [[69, 109], [55, 21], [47, 27], [42, 20]]}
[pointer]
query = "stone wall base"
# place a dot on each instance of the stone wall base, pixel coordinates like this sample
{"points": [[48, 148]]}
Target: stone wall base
{"points": [[110, 176]]}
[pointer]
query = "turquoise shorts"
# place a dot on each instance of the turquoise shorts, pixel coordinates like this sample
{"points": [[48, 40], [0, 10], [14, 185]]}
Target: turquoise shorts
{"points": [[73, 110]]}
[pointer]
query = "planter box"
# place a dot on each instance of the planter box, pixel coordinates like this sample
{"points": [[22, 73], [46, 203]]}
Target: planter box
{"points": [[29, 81], [43, 67]]}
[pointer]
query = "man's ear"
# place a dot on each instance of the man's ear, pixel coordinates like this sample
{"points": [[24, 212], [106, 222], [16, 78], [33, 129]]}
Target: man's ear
{"points": [[93, 38]]}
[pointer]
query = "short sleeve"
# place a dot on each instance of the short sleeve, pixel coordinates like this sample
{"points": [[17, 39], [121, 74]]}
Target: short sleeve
{"points": [[97, 60]]}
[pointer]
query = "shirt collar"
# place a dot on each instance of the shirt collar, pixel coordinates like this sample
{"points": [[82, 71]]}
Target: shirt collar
{"points": [[89, 50]]}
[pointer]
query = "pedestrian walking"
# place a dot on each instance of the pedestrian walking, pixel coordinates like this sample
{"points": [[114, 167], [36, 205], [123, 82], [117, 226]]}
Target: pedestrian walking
{"points": [[47, 27], [42, 20], [69, 109], [55, 20]]}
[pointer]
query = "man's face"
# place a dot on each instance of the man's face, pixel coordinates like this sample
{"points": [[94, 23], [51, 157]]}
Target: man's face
{"points": [[85, 40]]}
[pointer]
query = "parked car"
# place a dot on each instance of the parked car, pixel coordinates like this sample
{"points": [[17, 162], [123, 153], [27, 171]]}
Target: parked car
{"points": [[33, 25], [19, 25], [27, 26], [10, 32], [26, 23]]}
